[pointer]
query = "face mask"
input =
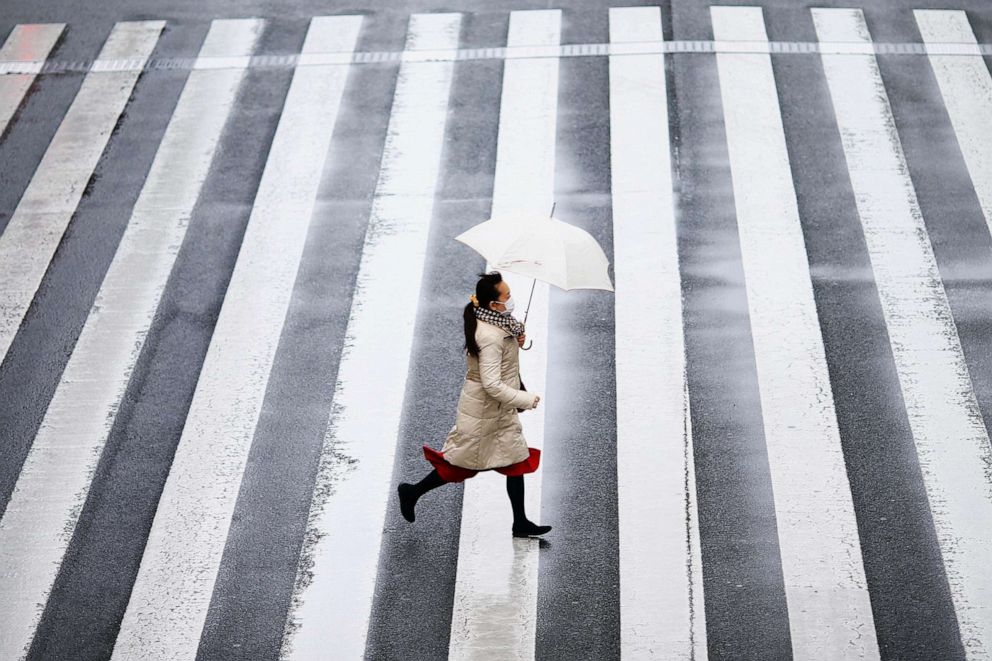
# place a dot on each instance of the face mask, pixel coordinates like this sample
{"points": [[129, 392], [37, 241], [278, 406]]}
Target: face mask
{"points": [[509, 306]]}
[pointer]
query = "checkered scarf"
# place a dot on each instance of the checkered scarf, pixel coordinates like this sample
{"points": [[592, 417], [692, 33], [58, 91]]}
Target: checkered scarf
{"points": [[506, 322]]}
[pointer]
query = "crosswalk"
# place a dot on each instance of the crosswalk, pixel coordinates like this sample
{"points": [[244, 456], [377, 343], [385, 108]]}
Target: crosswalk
{"points": [[733, 520]]}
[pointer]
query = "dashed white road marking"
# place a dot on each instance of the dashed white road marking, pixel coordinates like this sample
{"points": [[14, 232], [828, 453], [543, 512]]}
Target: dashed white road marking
{"points": [[525, 52]]}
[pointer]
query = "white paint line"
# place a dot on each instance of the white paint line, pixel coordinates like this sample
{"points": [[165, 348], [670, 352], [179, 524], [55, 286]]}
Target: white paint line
{"points": [[43, 213], [825, 586], [940, 20], [951, 439], [495, 605], [966, 86], [661, 602], [54, 482], [27, 44], [332, 598], [489, 53], [170, 597]]}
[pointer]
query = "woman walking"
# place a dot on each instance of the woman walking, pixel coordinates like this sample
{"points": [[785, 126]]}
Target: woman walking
{"points": [[487, 434]]}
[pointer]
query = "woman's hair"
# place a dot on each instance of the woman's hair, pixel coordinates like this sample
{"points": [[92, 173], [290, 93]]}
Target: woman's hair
{"points": [[485, 293]]}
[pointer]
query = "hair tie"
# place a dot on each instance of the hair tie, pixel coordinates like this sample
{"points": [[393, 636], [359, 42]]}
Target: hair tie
{"points": [[474, 300]]}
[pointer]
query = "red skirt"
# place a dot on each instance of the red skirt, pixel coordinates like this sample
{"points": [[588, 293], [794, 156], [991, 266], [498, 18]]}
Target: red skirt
{"points": [[452, 473]]}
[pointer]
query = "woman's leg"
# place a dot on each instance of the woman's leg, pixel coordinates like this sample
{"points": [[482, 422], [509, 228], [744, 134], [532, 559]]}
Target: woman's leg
{"points": [[411, 493], [522, 527]]}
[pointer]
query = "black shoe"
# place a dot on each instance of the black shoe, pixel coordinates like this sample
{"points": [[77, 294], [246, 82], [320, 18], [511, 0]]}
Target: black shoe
{"points": [[528, 529], [408, 500]]}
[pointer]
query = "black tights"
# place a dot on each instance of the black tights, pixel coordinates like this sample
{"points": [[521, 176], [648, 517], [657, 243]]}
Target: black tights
{"points": [[514, 489], [431, 481]]}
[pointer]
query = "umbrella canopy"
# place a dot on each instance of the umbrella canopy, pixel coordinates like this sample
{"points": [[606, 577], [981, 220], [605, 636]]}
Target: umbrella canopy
{"points": [[543, 248]]}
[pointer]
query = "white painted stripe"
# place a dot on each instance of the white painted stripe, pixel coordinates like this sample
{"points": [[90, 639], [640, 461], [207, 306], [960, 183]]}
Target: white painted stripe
{"points": [[171, 594], [54, 482], [223, 62], [26, 45], [34, 231], [951, 439], [966, 86], [332, 598], [825, 586], [495, 605], [661, 596]]}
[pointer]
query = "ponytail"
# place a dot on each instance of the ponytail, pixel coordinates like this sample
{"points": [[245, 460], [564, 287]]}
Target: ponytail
{"points": [[470, 324], [485, 293]]}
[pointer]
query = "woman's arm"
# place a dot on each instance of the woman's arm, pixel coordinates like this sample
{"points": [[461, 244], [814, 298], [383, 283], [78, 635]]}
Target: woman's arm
{"points": [[490, 368]]}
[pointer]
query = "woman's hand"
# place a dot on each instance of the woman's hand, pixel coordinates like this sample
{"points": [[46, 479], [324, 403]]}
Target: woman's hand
{"points": [[521, 340], [537, 398]]}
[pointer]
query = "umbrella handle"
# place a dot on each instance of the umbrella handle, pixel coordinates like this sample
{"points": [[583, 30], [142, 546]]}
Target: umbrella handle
{"points": [[529, 345], [531, 298]]}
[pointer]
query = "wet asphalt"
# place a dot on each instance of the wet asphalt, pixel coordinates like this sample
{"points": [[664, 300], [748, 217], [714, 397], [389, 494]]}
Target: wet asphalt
{"points": [[578, 609]]}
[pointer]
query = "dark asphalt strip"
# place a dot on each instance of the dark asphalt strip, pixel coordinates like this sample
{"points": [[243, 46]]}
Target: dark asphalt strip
{"points": [[913, 613], [415, 585], [578, 608], [981, 25], [258, 569], [78, 618], [746, 612], [92, 591]]}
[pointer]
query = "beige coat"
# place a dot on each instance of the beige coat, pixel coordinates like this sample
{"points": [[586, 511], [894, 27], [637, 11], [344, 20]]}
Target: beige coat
{"points": [[487, 431]]}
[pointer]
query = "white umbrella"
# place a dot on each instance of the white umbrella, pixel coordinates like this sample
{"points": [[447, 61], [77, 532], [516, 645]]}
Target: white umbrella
{"points": [[541, 247]]}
